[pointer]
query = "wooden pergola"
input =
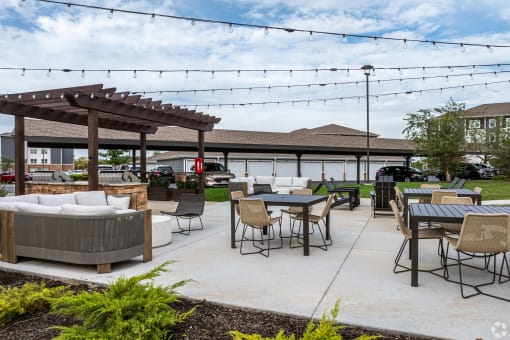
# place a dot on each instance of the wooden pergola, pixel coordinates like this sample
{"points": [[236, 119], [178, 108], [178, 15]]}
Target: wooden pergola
{"points": [[97, 107]]}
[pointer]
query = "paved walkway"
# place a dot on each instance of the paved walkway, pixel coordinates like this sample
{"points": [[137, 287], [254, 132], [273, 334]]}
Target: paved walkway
{"points": [[357, 269]]}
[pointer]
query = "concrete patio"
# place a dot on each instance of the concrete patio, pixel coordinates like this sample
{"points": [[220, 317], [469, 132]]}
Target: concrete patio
{"points": [[357, 269]]}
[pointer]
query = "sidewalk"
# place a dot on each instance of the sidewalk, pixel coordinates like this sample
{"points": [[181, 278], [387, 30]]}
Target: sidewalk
{"points": [[357, 269]]}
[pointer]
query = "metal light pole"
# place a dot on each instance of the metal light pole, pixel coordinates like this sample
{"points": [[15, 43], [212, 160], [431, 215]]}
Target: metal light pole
{"points": [[367, 69]]}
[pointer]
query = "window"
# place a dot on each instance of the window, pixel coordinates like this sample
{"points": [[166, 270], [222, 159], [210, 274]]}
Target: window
{"points": [[507, 121], [474, 123], [492, 137], [33, 161], [44, 151], [44, 161], [492, 123], [33, 151]]}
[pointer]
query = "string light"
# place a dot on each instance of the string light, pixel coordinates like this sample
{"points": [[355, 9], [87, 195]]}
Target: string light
{"points": [[23, 72], [160, 75], [462, 48], [153, 18], [266, 31], [238, 74], [109, 74], [230, 28], [186, 74], [110, 14], [405, 44], [49, 73], [344, 38], [83, 73], [376, 39], [134, 74]]}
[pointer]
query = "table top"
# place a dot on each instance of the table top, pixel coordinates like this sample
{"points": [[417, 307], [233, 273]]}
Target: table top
{"points": [[287, 199], [453, 211], [428, 191]]}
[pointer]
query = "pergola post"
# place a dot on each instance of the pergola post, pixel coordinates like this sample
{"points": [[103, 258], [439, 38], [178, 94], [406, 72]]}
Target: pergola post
{"points": [[225, 158], [408, 161], [358, 168], [143, 158], [19, 154], [201, 153], [133, 157], [93, 150], [298, 155]]}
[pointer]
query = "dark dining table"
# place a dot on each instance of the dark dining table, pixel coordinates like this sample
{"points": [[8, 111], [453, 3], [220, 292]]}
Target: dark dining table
{"points": [[303, 201], [442, 213], [427, 192]]}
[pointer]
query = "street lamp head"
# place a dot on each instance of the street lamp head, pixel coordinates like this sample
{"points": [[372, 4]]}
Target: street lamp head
{"points": [[367, 69]]}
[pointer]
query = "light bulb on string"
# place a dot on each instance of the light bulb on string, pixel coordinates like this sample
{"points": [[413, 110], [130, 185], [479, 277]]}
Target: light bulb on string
{"points": [[447, 79], [212, 74], [324, 102], [435, 45], [160, 74], [373, 72], [134, 74], [499, 67], [230, 28], [290, 73], [316, 73], [405, 44], [23, 72], [451, 68], [48, 74], [471, 76], [344, 38], [486, 85], [265, 74], [110, 14], [423, 70], [462, 48], [153, 18], [83, 73], [490, 49], [192, 22], [495, 74], [348, 74], [238, 74], [310, 36], [266, 31], [376, 41], [400, 73], [186, 74], [109, 74], [423, 79]]}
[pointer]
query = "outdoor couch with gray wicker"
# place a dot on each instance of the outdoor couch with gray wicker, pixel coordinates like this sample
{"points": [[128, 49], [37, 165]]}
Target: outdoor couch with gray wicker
{"points": [[86, 228]]}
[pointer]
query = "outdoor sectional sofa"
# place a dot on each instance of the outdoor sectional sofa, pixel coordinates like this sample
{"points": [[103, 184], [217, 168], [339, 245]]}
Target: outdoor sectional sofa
{"points": [[86, 228], [281, 185]]}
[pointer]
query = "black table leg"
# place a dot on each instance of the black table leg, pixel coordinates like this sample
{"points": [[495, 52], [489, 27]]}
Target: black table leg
{"points": [[232, 225], [306, 228]]}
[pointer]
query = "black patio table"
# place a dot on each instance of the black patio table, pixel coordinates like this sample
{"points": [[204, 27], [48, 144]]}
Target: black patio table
{"points": [[427, 192], [304, 201], [442, 213]]}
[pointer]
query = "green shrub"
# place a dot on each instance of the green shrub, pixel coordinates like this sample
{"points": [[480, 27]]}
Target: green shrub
{"points": [[31, 297], [129, 309], [3, 190], [79, 177], [327, 329]]}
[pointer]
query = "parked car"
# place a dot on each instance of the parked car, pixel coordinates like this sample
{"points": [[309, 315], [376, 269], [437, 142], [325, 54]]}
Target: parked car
{"points": [[470, 171], [164, 171], [400, 173], [10, 177], [216, 175]]}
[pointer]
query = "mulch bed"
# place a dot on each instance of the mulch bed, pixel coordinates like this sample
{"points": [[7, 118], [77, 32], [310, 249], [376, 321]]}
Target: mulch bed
{"points": [[210, 321]]}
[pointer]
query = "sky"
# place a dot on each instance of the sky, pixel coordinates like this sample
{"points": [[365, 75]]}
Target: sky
{"points": [[51, 36]]}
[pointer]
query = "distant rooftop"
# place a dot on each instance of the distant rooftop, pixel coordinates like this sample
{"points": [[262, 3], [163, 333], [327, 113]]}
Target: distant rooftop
{"points": [[489, 110], [334, 129]]}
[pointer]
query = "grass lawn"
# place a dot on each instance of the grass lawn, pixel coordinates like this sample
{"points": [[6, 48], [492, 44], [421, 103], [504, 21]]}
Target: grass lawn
{"points": [[491, 190]]}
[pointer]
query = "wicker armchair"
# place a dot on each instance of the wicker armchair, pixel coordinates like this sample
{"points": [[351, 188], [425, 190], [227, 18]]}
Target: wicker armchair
{"points": [[422, 234], [482, 235], [315, 221], [190, 206], [437, 195], [254, 215]]}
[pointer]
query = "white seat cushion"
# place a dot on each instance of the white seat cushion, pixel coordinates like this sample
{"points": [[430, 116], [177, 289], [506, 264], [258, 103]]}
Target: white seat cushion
{"points": [[87, 210], [55, 200], [30, 198], [283, 182], [9, 206], [91, 198], [264, 180], [300, 182], [121, 203], [38, 208]]}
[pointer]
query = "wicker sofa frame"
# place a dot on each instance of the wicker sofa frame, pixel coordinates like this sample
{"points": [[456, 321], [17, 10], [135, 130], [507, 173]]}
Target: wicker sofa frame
{"points": [[87, 240]]}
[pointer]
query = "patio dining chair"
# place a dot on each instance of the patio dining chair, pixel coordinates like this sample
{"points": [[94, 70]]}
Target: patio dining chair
{"points": [[293, 211], [482, 235], [235, 195], [437, 195], [189, 207], [314, 220], [254, 215], [422, 234], [428, 186]]}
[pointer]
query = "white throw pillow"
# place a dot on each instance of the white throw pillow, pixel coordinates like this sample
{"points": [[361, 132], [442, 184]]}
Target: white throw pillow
{"points": [[90, 198], [58, 199], [300, 181], [120, 203], [87, 210], [9, 206], [283, 181], [240, 180], [264, 180], [127, 211], [251, 180], [38, 208]]}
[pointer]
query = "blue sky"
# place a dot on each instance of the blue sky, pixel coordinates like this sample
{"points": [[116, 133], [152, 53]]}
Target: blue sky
{"points": [[55, 36]]}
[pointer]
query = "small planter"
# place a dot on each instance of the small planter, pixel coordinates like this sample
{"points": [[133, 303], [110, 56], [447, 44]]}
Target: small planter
{"points": [[159, 194]]}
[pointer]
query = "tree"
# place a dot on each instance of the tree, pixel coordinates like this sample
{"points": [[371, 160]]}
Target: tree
{"points": [[81, 163], [438, 135], [115, 157], [6, 163], [502, 151]]}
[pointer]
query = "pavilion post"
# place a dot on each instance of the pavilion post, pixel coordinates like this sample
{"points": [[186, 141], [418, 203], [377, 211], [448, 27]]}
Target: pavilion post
{"points": [[143, 157], [19, 149], [298, 155], [225, 158], [358, 168], [133, 157], [201, 154], [93, 142]]}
